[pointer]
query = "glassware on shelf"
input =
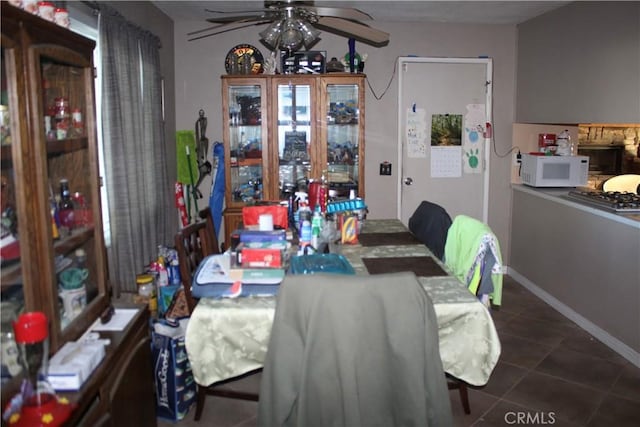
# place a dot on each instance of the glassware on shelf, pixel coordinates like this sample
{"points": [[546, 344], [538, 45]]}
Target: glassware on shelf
{"points": [[77, 126], [61, 117], [66, 208], [8, 348]]}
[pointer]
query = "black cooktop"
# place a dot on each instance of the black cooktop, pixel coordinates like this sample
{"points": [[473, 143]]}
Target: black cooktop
{"points": [[615, 201]]}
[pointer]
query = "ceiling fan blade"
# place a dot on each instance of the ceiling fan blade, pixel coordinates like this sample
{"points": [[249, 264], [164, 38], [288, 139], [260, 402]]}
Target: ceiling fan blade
{"points": [[338, 12], [238, 18], [360, 32], [236, 11], [223, 28]]}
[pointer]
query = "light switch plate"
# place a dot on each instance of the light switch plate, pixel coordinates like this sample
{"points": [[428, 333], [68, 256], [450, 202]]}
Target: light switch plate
{"points": [[385, 168]]}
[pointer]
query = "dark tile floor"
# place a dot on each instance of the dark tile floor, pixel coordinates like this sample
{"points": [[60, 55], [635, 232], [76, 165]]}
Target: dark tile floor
{"points": [[550, 372]]}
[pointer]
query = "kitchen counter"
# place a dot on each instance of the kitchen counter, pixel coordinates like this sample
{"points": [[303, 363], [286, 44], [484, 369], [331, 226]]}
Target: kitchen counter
{"points": [[582, 260], [559, 195]]}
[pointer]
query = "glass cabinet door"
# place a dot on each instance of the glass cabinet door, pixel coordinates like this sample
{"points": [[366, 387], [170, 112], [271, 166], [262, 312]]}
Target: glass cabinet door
{"points": [[66, 95], [294, 136], [53, 252], [13, 298], [343, 137], [247, 146]]}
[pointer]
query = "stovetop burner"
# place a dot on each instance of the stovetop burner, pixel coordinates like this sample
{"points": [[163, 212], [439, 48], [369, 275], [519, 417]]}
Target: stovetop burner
{"points": [[617, 201]]}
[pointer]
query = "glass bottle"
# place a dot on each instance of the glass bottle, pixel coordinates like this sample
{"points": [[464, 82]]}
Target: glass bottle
{"points": [[246, 64], [65, 208]]}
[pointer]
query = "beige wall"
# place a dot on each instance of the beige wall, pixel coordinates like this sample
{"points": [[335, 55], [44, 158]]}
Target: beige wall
{"points": [[199, 65], [580, 64]]}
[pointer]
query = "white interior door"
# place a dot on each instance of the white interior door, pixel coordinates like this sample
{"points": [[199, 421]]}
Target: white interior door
{"points": [[454, 176]]}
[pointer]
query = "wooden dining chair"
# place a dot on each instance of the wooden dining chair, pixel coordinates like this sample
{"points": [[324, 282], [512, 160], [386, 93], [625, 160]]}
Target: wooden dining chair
{"points": [[194, 243], [470, 240], [384, 364], [430, 223]]}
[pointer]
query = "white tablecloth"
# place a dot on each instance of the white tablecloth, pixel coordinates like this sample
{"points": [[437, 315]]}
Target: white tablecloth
{"points": [[228, 337]]}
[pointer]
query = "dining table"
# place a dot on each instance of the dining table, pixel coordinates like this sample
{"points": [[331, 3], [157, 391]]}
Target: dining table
{"points": [[228, 337]]}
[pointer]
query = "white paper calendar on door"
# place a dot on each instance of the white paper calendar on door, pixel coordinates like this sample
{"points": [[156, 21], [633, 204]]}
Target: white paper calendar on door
{"points": [[446, 162]]}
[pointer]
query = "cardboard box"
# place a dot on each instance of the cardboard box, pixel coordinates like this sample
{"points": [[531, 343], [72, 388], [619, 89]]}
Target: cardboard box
{"points": [[70, 367], [261, 257]]}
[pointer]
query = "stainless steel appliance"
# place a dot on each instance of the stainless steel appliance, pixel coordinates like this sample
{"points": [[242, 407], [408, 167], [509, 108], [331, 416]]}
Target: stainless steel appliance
{"points": [[604, 159], [614, 201]]}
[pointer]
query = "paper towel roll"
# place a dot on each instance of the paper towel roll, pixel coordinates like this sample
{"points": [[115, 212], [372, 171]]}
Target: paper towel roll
{"points": [[265, 222]]}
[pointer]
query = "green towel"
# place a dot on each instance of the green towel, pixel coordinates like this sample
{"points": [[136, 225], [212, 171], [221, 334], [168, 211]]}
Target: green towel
{"points": [[184, 139]]}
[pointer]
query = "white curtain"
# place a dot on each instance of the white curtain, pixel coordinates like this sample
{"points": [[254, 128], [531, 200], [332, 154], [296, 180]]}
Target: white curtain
{"points": [[138, 189]]}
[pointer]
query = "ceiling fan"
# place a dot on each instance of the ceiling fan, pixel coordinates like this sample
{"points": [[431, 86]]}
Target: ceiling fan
{"points": [[293, 24]]}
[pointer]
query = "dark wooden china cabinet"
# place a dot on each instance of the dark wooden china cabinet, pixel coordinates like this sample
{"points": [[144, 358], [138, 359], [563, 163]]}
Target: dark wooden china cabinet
{"points": [[49, 137], [282, 131]]}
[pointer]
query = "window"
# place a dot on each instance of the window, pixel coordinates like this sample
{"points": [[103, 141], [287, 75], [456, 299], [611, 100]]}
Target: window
{"points": [[85, 22]]}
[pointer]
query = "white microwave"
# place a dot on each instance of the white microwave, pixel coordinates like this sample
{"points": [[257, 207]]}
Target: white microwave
{"points": [[554, 171]]}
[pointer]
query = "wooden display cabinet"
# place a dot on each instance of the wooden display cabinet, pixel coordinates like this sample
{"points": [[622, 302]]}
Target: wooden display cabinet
{"points": [[282, 131], [49, 134]]}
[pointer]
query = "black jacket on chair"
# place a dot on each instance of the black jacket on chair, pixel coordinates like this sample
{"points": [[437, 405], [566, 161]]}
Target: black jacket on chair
{"points": [[354, 351], [430, 223]]}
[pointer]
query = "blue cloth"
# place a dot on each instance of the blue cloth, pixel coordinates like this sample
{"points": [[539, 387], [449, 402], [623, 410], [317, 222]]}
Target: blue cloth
{"points": [[216, 199]]}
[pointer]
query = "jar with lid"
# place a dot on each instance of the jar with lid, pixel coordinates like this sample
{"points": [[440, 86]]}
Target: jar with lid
{"points": [[61, 17], [62, 108], [46, 10], [77, 127], [30, 6], [147, 290], [80, 260]]}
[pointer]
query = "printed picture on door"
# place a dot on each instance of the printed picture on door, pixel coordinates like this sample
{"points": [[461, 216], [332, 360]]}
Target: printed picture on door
{"points": [[446, 145], [446, 130]]}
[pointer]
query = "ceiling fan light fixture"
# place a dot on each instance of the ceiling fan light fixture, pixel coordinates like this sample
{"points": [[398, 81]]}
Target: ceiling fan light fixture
{"points": [[309, 34], [272, 33], [291, 37]]}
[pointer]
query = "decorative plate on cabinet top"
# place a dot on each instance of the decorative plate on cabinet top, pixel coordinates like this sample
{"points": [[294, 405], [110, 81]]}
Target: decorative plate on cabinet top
{"points": [[234, 60]]}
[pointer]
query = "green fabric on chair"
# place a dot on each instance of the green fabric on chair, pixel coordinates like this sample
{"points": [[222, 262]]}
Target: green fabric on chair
{"points": [[463, 256]]}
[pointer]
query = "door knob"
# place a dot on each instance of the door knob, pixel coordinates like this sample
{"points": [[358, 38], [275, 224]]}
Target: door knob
{"points": [[408, 181]]}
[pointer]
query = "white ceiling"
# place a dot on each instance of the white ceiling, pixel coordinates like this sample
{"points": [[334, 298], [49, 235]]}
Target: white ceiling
{"points": [[470, 12]]}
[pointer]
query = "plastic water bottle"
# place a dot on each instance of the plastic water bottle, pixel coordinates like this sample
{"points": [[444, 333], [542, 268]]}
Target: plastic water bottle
{"points": [[316, 227], [305, 233]]}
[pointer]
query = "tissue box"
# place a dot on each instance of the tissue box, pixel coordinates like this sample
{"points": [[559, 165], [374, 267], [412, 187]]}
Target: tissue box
{"points": [[267, 255], [70, 367]]}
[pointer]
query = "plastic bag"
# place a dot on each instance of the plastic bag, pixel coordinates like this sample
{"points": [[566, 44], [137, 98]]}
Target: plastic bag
{"points": [[174, 383]]}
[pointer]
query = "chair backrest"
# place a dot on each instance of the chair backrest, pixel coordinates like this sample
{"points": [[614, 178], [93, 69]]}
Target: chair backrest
{"points": [[359, 351], [430, 223], [628, 182], [193, 243]]}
